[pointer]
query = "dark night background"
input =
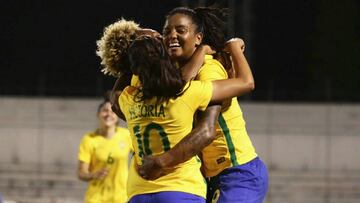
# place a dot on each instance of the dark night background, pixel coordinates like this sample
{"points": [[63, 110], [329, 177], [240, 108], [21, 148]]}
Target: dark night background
{"points": [[299, 51]]}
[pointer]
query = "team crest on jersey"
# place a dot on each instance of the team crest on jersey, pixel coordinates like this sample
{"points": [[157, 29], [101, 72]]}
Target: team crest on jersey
{"points": [[121, 145]]}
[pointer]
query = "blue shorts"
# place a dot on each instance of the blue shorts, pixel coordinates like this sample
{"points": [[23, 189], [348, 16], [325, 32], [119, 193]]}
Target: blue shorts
{"points": [[166, 197], [246, 183]]}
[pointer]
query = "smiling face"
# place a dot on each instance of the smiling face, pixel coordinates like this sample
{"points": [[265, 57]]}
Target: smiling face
{"points": [[181, 37], [107, 118]]}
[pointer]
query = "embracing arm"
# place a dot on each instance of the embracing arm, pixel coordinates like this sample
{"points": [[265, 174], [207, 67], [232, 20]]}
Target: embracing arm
{"points": [[192, 67], [243, 81], [204, 132], [120, 84], [202, 135]]}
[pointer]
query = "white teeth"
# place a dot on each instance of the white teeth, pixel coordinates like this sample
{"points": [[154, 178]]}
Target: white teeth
{"points": [[174, 45]]}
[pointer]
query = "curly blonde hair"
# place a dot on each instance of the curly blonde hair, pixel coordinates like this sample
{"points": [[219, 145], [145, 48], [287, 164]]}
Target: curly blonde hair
{"points": [[113, 45]]}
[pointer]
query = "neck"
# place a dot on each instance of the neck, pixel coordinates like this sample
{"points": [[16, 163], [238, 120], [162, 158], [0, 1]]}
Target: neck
{"points": [[185, 59], [181, 63], [107, 132]]}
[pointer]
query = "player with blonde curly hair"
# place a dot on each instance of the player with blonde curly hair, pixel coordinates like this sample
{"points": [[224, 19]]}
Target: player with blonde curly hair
{"points": [[113, 45]]}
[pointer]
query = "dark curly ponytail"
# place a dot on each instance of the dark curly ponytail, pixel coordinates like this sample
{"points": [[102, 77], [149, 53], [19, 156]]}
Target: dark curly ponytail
{"points": [[213, 21], [158, 75]]}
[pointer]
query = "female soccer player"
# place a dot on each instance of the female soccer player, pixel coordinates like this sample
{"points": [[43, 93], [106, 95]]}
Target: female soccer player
{"points": [[103, 159], [159, 114], [235, 172]]}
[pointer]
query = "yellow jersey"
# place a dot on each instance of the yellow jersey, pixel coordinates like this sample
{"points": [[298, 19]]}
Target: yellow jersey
{"points": [[113, 153], [232, 145], [155, 128]]}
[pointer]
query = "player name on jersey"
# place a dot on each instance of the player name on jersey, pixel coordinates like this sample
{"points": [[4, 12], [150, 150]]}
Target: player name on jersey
{"points": [[144, 110]]}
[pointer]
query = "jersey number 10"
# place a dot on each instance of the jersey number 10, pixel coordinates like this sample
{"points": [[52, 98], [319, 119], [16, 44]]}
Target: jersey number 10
{"points": [[144, 145]]}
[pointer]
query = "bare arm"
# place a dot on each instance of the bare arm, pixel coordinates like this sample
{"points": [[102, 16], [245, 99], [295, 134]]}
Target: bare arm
{"points": [[224, 58], [244, 81], [120, 84], [85, 175], [202, 135], [192, 67]]}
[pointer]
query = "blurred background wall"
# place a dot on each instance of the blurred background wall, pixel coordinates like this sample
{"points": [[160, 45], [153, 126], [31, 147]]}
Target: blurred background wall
{"points": [[303, 117], [310, 149]]}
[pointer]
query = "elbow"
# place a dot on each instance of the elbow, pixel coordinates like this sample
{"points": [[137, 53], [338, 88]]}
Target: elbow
{"points": [[247, 85], [79, 176], [209, 134], [251, 86], [83, 177]]}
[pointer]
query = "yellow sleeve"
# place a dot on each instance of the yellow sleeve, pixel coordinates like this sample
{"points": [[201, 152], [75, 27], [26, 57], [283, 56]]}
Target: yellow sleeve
{"points": [[198, 95], [135, 81], [85, 150], [212, 70]]}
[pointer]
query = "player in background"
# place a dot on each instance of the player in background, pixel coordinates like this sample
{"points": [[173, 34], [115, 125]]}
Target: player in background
{"points": [[103, 158]]}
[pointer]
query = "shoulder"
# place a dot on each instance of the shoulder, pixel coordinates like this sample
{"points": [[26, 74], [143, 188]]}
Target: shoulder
{"points": [[127, 94], [212, 70], [89, 135], [88, 138], [135, 81], [129, 90], [195, 87], [121, 130], [210, 61]]}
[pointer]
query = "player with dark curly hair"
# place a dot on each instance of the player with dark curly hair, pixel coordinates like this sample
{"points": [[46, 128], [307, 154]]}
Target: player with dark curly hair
{"points": [[159, 113], [235, 172]]}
